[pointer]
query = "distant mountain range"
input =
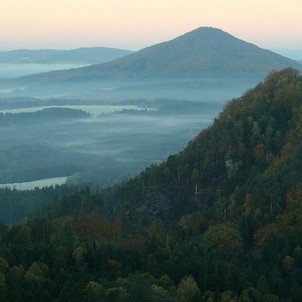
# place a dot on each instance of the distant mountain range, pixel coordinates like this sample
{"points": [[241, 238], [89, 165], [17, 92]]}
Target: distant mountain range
{"points": [[202, 52], [89, 55], [295, 54]]}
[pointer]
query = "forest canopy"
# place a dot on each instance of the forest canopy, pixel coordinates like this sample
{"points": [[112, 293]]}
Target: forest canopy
{"points": [[220, 221]]}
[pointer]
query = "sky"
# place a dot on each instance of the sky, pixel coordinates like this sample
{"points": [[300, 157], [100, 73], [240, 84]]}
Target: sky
{"points": [[135, 24]]}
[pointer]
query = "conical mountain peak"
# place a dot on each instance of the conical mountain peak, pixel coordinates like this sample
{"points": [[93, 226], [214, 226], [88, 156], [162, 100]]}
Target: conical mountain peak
{"points": [[205, 51]]}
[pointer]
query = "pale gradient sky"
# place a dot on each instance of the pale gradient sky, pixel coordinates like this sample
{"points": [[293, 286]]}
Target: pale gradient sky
{"points": [[134, 24]]}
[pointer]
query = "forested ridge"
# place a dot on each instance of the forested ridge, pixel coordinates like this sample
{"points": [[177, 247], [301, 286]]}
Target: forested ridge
{"points": [[220, 221], [44, 114]]}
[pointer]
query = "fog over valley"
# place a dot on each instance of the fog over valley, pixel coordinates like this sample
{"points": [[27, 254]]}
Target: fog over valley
{"points": [[106, 122], [120, 141], [14, 70]]}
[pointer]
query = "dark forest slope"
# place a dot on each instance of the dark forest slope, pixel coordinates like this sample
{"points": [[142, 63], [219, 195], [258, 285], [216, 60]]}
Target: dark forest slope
{"points": [[221, 221], [249, 158]]}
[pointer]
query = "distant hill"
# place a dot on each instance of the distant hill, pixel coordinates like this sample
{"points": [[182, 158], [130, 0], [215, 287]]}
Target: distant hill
{"points": [[295, 54], [203, 52], [86, 55]]}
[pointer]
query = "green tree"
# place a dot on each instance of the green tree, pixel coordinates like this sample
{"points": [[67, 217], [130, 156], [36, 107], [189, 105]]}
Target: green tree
{"points": [[188, 290]]}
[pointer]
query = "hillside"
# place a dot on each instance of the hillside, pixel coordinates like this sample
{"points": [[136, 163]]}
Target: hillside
{"points": [[85, 55], [221, 221], [249, 157], [202, 52]]}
